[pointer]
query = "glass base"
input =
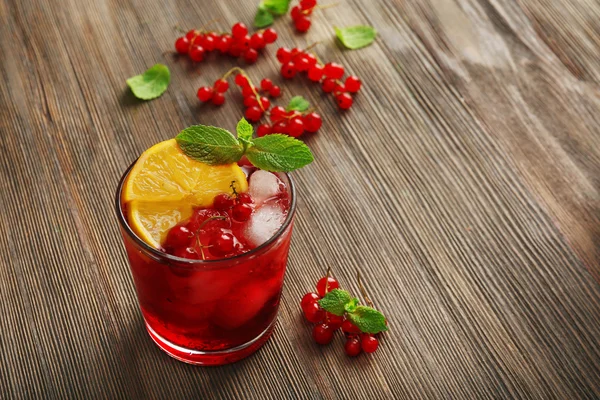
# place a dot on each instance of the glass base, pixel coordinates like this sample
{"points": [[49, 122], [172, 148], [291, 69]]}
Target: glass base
{"points": [[211, 358]]}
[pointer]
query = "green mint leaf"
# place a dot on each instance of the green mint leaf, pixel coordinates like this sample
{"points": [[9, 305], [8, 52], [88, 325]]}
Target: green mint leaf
{"points": [[151, 83], [335, 301], [263, 17], [244, 130], [297, 103], [277, 7], [279, 153], [351, 305], [368, 319], [210, 145], [355, 37]]}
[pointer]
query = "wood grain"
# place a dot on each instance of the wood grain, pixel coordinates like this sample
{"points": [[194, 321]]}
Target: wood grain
{"points": [[464, 183]]}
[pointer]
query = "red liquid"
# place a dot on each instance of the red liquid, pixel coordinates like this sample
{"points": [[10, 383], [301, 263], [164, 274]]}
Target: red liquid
{"points": [[202, 312]]}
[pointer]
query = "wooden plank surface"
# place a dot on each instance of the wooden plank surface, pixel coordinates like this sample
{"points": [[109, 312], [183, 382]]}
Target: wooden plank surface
{"points": [[464, 183]]}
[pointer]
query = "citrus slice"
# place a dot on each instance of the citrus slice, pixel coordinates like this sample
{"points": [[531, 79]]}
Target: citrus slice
{"points": [[165, 185]]}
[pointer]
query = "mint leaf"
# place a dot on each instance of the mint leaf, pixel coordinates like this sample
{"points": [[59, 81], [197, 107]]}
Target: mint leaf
{"points": [[351, 305], [263, 17], [277, 7], [151, 83], [278, 153], [244, 130], [368, 319], [355, 37], [335, 301], [210, 145], [297, 103]]}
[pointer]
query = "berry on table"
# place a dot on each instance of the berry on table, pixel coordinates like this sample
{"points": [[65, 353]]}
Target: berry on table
{"points": [[328, 85], [284, 55], [191, 34], [308, 4], [266, 84], [221, 85], [205, 93], [288, 70], [241, 80], [239, 30], [369, 343], [329, 282], [315, 73], [182, 45], [344, 101], [263, 130], [250, 56], [334, 70], [265, 103], [312, 122], [275, 91], [270, 35], [218, 98], [295, 127], [196, 53], [280, 126], [248, 91], [313, 313], [224, 43], [322, 334], [250, 101], [349, 328], [352, 346], [302, 24], [253, 113], [257, 41], [353, 84], [334, 321], [277, 113], [309, 298]]}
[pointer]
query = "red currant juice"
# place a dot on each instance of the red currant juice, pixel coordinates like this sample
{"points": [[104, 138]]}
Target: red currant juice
{"points": [[211, 297]]}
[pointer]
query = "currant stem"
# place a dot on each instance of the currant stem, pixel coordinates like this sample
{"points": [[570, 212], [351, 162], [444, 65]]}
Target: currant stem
{"points": [[363, 291], [310, 46], [337, 3], [243, 73], [327, 279]]}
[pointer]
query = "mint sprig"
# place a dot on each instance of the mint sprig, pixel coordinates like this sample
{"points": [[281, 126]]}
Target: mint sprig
{"points": [[216, 146], [151, 83], [367, 319], [268, 10]]}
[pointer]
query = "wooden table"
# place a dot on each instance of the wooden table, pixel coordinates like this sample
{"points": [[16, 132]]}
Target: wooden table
{"points": [[464, 184]]}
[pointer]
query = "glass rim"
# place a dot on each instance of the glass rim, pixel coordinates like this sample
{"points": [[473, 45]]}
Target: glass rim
{"points": [[186, 261]]}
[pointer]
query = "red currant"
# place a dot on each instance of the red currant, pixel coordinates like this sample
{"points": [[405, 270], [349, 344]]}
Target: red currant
{"points": [[243, 42], [205, 93], [295, 127], [253, 113], [312, 59], [222, 244], [309, 298], [250, 56], [270, 35], [334, 321], [312, 122], [250, 101], [328, 85], [241, 80], [191, 34], [349, 328], [288, 70], [235, 50], [224, 43], [196, 53], [186, 252], [369, 343], [306, 4], [208, 42], [239, 30], [221, 85], [315, 73], [302, 24], [223, 202], [334, 70], [302, 63], [265, 103], [322, 334], [248, 91], [339, 88], [353, 84], [296, 12], [331, 284], [245, 198], [241, 212], [313, 313], [344, 101], [178, 236], [280, 126], [277, 113], [257, 41], [218, 99], [263, 130], [275, 91], [266, 84], [352, 346], [182, 45], [284, 55]]}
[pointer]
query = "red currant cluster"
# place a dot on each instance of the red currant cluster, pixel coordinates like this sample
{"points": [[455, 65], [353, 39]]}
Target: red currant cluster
{"points": [[292, 123], [196, 43], [300, 14], [210, 229], [328, 75], [327, 323], [250, 92]]}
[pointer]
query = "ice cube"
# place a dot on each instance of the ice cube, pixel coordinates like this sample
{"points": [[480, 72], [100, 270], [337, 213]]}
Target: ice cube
{"points": [[263, 185], [264, 222]]}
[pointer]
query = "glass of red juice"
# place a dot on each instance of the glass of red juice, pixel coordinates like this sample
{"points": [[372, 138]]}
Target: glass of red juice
{"points": [[209, 312]]}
